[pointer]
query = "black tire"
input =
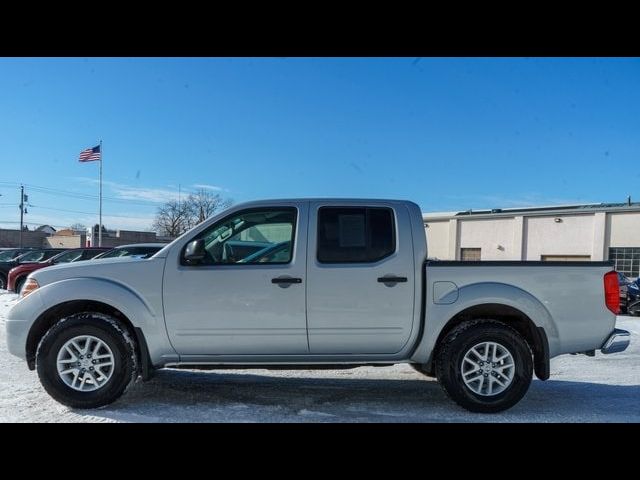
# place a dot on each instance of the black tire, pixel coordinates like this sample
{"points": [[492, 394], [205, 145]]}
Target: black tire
{"points": [[19, 283], [3, 282], [418, 368], [458, 342], [107, 329], [634, 309]]}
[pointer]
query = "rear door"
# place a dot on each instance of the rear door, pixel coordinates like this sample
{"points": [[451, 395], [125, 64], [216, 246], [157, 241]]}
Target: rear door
{"points": [[360, 278]]}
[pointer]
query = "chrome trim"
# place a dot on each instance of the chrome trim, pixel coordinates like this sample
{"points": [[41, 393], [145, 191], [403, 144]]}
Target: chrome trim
{"points": [[618, 341]]}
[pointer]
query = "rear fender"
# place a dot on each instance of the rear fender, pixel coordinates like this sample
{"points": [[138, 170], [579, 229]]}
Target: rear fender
{"points": [[477, 294]]}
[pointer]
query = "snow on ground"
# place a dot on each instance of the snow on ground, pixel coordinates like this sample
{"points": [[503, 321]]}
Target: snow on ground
{"points": [[581, 389]]}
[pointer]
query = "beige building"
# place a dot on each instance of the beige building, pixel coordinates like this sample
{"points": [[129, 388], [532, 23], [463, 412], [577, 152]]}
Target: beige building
{"points": [[570, 232]]}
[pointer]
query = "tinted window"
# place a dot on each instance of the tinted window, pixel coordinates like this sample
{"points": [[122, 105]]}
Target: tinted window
{"points": [[89, 254], [349, 235], [7, 255], [35, 256], [251, 237], [144, 252], [66, 257]]}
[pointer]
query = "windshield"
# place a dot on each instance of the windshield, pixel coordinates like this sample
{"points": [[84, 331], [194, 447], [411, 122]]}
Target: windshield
{"points": [[35, 256], [66, 257], [7, 255]]}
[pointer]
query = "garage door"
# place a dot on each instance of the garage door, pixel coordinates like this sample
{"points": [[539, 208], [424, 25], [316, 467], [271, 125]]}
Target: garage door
{"points": [[566, 258]]}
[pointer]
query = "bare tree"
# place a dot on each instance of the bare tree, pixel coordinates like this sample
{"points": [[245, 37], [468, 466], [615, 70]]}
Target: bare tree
{"points": [[174, 218], [171, 219], [203, 204], [78, 227]]}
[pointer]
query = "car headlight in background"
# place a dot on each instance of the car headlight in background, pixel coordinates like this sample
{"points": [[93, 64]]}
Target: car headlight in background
{"points": [[29, 286]]}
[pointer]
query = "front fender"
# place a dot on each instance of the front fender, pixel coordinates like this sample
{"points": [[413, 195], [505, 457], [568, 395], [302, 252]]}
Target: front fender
{"points": [[483, 293], [144, 314]]}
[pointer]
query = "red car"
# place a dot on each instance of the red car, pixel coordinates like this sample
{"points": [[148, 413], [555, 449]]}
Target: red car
{"points": [[18, 275]]}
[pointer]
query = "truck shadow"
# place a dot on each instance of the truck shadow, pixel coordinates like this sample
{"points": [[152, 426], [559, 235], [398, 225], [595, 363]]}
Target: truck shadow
{"points": [[237, 396]]}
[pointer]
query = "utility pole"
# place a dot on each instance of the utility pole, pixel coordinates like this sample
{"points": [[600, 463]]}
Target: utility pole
{"points": [[21, 212], [100, 214]]}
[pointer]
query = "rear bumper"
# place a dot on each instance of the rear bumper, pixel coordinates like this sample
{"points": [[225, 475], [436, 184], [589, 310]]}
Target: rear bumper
{"points": [[618, 341]]}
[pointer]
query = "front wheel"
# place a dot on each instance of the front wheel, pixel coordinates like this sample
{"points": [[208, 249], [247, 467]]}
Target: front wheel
{"points": [[484, 366], [86, 360]]}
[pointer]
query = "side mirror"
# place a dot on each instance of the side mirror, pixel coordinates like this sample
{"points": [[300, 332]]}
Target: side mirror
{"points": [[195, 252]]}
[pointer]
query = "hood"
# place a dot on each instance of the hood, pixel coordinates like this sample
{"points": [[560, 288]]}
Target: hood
{"points": [[119, 269], [29, 267]]}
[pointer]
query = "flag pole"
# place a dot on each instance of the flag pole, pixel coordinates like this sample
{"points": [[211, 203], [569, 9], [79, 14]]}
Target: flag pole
{"points": [[100, 214]]}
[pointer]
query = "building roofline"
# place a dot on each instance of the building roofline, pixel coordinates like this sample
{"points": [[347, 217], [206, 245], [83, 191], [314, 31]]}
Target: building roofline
{"points": [[536, 211]]}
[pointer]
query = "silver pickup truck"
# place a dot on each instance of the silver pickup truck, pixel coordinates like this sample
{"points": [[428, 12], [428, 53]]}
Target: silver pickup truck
{"points": [[311, 283]]}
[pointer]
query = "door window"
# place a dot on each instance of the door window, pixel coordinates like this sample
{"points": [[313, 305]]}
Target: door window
{"points": [[255, 236], [355, 234]]}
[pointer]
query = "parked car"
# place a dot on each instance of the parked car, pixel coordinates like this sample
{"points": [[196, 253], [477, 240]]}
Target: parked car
{"points": [[626, 284], [140, 250], [353, 289], [18, 275], [37, 255], [633, 298]]}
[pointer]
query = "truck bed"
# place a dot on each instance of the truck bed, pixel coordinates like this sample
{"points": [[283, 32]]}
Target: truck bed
{"points": [[566, 299]]}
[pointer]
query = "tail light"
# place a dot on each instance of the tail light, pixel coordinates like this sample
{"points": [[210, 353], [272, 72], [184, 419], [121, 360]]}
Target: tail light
{"points": [[612, 291]]}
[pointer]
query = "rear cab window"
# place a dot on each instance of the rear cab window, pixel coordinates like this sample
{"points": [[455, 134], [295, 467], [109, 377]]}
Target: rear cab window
{"points": [[355, 234]]}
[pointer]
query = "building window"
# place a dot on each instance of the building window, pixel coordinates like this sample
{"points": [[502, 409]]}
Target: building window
{"points": [[626, 260], [565, 258], [470, 254]]}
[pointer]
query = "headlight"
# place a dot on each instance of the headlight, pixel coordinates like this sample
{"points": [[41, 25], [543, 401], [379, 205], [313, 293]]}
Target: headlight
{"points": [[29, 286]]}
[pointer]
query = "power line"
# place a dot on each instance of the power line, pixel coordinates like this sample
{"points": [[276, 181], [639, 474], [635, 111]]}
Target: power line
{"points": [[85, 196], [84, 213], [34, 223], [88, 196]]}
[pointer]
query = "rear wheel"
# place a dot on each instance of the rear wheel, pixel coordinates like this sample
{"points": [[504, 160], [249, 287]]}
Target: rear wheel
{"points": [[484, 366], [3, 282], [86, 360]]}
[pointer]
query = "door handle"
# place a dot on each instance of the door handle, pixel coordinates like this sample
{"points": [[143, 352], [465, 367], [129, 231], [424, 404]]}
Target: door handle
{"points": [[285, 280], [392, 279]]}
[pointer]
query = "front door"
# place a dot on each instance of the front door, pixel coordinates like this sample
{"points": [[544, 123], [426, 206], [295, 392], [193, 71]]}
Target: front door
{"points": [[247, 296], [360, 279]]}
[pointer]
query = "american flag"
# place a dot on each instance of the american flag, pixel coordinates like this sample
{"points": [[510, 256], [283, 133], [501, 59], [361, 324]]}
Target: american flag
{"points": [[90, 154]]}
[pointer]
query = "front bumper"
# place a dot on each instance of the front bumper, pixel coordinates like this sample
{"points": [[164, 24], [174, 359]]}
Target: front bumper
{"points": [[17, 331], [618, 341]]}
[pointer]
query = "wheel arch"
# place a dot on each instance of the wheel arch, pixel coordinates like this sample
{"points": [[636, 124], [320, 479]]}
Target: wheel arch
{"points": [[534, 335], [52, 315], [65, 297], [17, 280]]}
